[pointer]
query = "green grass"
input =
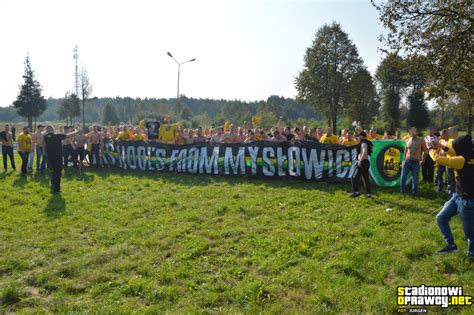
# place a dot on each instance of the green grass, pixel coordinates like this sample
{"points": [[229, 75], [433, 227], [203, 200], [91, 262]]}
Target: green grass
{"points": [[140, 242]]}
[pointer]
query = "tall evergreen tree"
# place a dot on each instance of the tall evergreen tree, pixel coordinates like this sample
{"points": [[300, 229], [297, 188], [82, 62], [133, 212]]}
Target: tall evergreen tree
{"points": [[329, 65], [30, 103], [110, 116]]}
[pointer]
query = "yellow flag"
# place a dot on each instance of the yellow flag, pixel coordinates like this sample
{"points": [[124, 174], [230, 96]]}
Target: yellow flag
{"points": [[256, 120]]}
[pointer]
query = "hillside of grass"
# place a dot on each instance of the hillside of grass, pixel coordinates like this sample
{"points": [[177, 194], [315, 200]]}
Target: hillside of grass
{"points": [[153, 242]]}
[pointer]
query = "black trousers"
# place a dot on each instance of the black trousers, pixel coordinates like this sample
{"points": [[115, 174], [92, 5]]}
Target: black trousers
{"points": [[57, 166], [80, 154], [68, 152], [427, 169], [7, 151], [24, 161], [96, 154], [361, 171]]}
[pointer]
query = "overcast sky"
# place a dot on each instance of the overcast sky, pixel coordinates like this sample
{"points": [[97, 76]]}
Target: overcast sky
{"points": [[244, 49]]}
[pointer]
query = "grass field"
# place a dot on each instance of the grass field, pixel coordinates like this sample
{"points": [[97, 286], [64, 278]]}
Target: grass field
{"points": [[136, 242]]}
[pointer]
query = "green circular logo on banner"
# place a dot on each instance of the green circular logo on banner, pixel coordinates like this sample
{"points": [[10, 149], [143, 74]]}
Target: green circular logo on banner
{"points": [[386, 162]]}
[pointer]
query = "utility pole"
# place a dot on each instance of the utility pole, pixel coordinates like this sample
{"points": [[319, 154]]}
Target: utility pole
{"points": [[76, 74]]}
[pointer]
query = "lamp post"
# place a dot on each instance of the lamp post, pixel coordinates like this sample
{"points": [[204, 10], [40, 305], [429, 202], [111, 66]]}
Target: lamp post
{"points": [[179, 70]]}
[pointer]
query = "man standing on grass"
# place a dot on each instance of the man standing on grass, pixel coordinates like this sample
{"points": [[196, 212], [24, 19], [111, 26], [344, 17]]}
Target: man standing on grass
{"points": [[415, 155], [95, 139], [78, 143], [7, 148], [428, 167], [38, 145], [462, 201], [54, 150], [362, 168], [24, 148]]}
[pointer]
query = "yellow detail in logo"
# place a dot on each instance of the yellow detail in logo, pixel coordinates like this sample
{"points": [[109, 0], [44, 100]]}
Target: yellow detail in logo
{"points": [[391, 162]]}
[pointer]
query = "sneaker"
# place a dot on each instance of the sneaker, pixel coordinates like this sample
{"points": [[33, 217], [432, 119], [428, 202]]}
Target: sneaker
{"points": [[368, 195], [353, 195], [448, 250]]}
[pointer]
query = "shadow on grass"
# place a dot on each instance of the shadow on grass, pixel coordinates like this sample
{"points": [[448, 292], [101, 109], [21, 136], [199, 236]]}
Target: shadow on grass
{"points": [[20, 181], [56, 206], [382, 195], [193, 180], [5, 174], [71, 173]]}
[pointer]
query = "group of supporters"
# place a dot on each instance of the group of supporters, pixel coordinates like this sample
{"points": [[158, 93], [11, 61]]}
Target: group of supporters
{"points": [[443, 156], [88, 144]]}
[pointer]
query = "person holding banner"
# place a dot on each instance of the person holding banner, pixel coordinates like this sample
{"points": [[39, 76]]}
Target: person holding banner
{"points": [[329, 138], [361, 170], [462, 200]]}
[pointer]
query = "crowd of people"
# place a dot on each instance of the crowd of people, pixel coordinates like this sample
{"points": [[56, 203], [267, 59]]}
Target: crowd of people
{"points": [[88, 144], [442, 151]]}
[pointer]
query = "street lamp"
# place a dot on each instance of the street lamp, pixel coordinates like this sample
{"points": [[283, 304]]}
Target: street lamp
{"points": [[179, 70]]}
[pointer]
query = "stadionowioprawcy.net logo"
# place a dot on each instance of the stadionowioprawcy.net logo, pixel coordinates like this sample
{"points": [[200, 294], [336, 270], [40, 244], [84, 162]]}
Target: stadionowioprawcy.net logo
{"points": [[442, 296]]}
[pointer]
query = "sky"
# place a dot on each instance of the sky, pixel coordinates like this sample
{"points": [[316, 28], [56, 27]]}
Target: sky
{"points": [[244, 50]]}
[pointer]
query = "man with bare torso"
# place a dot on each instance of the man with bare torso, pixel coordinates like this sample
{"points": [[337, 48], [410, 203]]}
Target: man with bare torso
{"points": [[78, 143], [38, 145], [415, 155], [7, 148], [95, 139]]}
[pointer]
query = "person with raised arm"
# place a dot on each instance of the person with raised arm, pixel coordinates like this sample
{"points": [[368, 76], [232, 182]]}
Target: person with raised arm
{"points": [[54, 150]]}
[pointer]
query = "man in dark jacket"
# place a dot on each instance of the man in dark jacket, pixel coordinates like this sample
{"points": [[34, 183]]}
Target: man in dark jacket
{"points": [[462, 201], [54, 150]]}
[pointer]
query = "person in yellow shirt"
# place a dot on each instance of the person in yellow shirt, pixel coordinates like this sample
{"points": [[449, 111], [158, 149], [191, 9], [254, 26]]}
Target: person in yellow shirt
{"points": [[125, 134], [139, 136], [450, 179], [329, 137], [24, 148], [349, 139]]}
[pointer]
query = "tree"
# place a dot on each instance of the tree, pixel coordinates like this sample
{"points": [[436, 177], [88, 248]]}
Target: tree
{"points": [[30, 103], [361, 103], [330, 63], [390, 75], [86, 90], [416, 79], [110, 115], [185, 113], [69, 108], [441, 31]]}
